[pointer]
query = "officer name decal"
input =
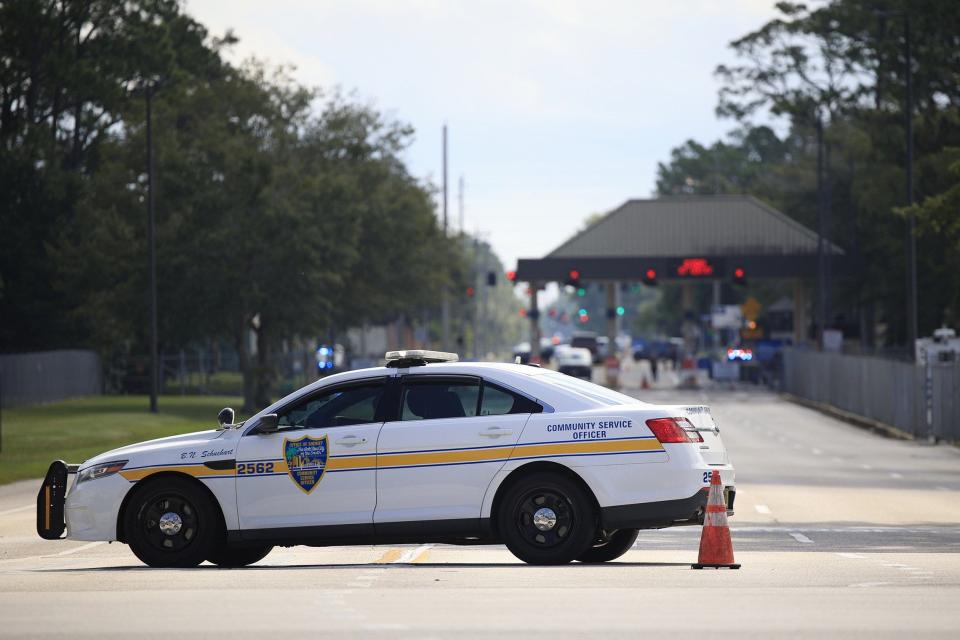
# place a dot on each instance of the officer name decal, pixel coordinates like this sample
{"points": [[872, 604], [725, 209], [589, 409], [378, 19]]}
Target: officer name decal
{"points": [[590, 430]]}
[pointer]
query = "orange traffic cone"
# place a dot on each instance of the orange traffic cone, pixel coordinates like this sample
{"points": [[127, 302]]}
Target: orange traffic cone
{"points": [[716, 548]]}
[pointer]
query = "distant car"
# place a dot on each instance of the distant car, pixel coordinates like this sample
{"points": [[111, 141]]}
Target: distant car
{"points": [[426, 449], [575, 361], [586, 340]]}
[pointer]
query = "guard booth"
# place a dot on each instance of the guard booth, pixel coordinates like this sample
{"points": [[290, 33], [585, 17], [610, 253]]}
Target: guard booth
{"points": [[695, 240]]}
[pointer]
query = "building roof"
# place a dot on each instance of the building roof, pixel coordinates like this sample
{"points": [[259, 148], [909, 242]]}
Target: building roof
{"points": [[715, 225]]}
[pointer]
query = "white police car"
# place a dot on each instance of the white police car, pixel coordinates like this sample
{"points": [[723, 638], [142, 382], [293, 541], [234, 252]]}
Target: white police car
{"points": [[425, 449]]}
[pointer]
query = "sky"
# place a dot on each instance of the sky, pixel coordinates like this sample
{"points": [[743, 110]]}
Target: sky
{"points": [[556, 109]]}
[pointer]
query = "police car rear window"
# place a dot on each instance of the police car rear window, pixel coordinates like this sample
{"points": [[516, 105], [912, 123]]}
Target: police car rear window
{"points": [[590, 390]]}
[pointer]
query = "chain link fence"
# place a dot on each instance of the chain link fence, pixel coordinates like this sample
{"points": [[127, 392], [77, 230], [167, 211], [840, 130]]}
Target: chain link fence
{"points": [[923, 401]]}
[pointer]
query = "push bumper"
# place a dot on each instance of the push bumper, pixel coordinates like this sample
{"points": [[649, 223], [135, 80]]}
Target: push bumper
{"points": [[51, 499], [666, 513]]}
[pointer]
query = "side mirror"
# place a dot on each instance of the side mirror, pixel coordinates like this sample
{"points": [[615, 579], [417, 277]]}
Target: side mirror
{"points": [[225, 417], [268, 423]]}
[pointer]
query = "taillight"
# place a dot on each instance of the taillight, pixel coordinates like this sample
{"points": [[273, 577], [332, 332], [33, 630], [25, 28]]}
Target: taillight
{"points": [[673, 430]]}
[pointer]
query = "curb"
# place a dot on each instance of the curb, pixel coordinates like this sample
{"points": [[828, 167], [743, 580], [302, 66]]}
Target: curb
{"points": [[875, 426]]}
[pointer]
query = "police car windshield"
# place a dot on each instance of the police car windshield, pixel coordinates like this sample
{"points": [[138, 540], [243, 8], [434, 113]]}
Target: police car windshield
{"points": [[590, 390]]}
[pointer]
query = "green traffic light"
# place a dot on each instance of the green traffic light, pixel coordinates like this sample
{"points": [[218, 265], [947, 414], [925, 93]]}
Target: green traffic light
{"points": [[581, 292], [582, 312], [621, 311]]}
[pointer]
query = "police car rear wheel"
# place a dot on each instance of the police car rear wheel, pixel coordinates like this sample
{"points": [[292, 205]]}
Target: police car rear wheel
{"points": [[618, 544], [546, 518], [171, 523], [225, 556]]}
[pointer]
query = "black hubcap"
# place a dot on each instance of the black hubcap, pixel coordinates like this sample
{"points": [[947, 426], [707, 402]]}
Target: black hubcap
{"points": [[170, 522], [538, 530]]}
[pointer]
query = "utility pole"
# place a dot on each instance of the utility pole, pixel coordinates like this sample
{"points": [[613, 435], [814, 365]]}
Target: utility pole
{"points": [[152, 251], [821, 239], [445, 294], [463, 229], [912, 323]]}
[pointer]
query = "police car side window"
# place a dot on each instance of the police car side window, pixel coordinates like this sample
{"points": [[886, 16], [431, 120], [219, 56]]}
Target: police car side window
{"points": [[436, 399], [336, 408], [498, 401]]}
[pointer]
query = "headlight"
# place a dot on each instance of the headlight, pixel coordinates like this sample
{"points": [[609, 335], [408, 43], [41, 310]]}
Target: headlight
{"points": [[100, 470]]}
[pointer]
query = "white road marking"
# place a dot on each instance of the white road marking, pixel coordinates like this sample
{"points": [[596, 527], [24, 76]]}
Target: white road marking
{"points": [[18, 509], [816, 451], [894, 565], [895, 475], [838, 460], [866, 466], [762, 508], [856, 556], [799, 537], [864, 585], [411, 554], [76, 549], [938, 489], [68, 552]]}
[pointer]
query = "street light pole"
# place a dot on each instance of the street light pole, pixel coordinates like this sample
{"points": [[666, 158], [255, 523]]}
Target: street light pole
{"points": [[912, 322], [152, 252]]}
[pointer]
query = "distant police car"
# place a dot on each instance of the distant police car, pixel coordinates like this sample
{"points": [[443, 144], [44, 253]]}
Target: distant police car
{"points": [[425, 449]]}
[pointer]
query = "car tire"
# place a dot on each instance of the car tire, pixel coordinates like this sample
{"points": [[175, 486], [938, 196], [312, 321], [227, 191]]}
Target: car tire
{"points": [[547, 518], [232, 557], [618, 544], [171, 522]]}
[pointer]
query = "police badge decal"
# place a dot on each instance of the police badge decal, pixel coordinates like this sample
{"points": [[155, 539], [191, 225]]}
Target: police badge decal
{"points": [[306, 460]]}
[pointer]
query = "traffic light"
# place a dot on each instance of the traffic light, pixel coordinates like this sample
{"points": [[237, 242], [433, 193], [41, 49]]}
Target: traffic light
{"points": [[523, 313], [581, 292], [739, 276], [512, 276], [491, 278], [584, 319], [650, 278], [621, 310], [470, 292], [573, 279]]}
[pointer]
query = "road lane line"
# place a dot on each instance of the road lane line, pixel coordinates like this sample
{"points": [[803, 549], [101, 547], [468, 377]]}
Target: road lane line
{"points": [[943, 489], [866, 466], [816, 451], [410, 555], [864, 585], [762, 508], [76, 549], [799, 537], [18, 509], [856, 556], [895, 475]]}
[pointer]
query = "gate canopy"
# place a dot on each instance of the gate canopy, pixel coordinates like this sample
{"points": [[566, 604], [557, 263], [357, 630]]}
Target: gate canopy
{"points": [[684, 238]]}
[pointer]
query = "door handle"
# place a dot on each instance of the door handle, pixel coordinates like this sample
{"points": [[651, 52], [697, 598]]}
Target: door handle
{"points": [[496, 432], [349, 441]]}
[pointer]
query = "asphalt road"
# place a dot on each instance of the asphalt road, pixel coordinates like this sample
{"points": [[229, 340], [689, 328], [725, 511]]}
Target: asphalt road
{"points": [[841, 533]]}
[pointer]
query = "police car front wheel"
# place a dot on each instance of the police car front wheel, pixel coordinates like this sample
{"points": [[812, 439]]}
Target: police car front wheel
{"points": [[546, 518], [170, 522]]}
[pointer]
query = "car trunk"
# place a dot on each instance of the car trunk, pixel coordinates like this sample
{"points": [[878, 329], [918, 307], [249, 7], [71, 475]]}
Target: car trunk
{"points": [[711, 448]]}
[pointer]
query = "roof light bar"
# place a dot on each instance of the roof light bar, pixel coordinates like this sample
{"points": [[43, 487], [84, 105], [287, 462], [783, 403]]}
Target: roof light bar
{"points": [[418, 357]]}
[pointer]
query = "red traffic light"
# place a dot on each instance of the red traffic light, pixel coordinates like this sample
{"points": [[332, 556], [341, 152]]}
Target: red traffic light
{"points": [[739, 276], [470, 292], [651, 274], [574, 274], [650, 277], [738, 273], [512, 276]]}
